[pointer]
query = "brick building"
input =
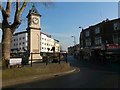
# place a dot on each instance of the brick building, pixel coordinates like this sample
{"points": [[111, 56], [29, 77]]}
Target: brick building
{"points": [[102, 36], [107, 31]]}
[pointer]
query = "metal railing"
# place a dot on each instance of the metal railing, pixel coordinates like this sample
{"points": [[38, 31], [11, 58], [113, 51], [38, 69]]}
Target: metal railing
{"points": [[54, 57]]}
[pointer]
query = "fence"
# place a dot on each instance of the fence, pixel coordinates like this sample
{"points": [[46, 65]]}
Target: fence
{"points": [[54, 57], [47, 57]]}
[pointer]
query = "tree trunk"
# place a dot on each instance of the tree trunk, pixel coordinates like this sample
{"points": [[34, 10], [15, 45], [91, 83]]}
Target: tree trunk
{"points": [[6, 43]]}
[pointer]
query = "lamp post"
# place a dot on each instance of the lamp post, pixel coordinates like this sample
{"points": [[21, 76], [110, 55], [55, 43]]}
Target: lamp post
{"points": [[81, 36], [80, 43]]}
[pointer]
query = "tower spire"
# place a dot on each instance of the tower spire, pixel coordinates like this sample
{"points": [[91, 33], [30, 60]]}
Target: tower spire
{"points": [[33, 10]]}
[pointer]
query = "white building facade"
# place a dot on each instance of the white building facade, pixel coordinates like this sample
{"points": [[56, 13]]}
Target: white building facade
{"points": [[20, 42], [47, 43]]}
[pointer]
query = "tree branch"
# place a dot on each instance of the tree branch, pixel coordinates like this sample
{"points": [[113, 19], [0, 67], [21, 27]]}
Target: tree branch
{"points": [[8, 8], [22, 8], [3, 11], [18, 14], [17, 5], [17, 19]]}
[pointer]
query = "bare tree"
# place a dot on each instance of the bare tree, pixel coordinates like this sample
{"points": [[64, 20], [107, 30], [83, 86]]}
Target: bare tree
{"points": [[7, 28]]}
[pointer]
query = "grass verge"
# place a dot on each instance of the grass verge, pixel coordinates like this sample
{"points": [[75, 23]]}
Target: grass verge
{"points": [[37, 69]]}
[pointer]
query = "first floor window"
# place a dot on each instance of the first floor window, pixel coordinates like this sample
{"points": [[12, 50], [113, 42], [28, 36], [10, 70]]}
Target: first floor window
{"points": [[88, 42], [116, 38], [98, 41]]}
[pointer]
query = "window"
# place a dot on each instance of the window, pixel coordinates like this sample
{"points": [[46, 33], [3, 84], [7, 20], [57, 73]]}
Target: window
{"points": [[98, 41], [19, 43], [14, 44], [19, 38], [87, 33], [116, 38], [116, 26], [97, 30], [14, 39], [88, 42], [23, 43], [23, 37]]}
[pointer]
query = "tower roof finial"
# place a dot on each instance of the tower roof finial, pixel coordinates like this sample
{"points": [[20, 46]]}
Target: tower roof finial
{"points": [[33, 4]]}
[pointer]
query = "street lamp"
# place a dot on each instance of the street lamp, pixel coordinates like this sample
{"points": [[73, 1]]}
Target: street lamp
{"points": [[80, 44]]}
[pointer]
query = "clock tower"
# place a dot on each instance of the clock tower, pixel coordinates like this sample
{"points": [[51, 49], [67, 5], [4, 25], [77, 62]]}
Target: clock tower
{"points": [[34, 33]]}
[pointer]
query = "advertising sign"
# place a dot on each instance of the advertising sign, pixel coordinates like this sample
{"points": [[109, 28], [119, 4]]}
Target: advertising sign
{"points": [[15, 61], [113, 46]]}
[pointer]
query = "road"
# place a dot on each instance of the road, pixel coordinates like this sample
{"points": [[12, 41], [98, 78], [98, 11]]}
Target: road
{"points": [[91, 75]]}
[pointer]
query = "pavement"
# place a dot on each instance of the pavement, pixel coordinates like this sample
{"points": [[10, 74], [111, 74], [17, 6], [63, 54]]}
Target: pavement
{"points": [[27, 79]]}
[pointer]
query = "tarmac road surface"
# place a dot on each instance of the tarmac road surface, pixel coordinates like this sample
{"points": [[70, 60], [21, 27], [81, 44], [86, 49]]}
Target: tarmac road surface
{"points": [[91, 75]]}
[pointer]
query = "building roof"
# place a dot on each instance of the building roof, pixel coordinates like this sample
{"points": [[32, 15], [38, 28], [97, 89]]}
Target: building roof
{"points": [[45, 34], [40, 33], [27, 32], [19, 33], [103, 22]]}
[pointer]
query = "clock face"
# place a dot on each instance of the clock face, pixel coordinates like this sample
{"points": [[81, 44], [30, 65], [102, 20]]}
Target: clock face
{"points": [[35, 20]]}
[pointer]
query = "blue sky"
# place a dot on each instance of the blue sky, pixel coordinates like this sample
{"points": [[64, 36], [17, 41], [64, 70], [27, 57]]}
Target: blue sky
{"points": [[62, 19]]}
